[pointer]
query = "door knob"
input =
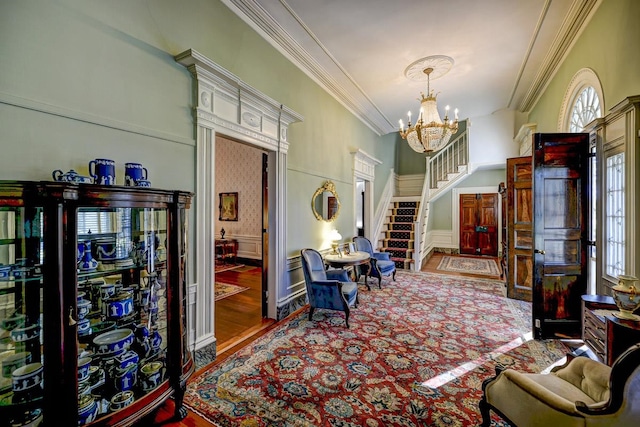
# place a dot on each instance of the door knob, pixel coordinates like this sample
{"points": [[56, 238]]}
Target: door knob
{"points": [[539, 251]]}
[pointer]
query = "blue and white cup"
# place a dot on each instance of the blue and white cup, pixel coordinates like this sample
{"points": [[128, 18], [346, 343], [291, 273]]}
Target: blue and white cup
{"points": [[134, 172], [103, 171]]}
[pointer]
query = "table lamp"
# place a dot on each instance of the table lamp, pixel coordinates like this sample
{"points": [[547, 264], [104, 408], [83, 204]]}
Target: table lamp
{"points": [[335, 237]]}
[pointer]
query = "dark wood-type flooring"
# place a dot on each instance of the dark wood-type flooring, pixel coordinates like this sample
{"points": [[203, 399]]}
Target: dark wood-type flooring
{"points": [[239, 316], [231, 315]]}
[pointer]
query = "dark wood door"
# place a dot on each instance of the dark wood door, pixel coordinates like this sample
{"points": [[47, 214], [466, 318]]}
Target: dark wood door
{"points": [[519, 228], [560, 184], [479, 224], [265, 234]]}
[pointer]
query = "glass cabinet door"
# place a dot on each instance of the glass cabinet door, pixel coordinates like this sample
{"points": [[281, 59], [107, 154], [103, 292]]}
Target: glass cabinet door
{"points": [[21, 331], [122, 322]]}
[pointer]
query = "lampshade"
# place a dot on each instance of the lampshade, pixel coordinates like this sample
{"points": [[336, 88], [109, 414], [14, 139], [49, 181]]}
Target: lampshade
{"points": [[334, 235]]}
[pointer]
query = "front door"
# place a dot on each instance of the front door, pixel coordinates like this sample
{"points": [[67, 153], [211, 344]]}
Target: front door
{"points": [[560, 184], [479, 224]]}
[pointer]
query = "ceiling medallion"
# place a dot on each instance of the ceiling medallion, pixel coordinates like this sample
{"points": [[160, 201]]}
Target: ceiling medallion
{"points": [[430, 133]]}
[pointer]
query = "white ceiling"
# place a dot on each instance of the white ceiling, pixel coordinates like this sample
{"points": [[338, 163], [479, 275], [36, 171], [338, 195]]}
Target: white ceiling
{"points": [[504, 51]]}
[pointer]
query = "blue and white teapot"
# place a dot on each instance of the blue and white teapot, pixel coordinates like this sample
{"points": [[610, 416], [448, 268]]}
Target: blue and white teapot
{"points": [[71, 176]]}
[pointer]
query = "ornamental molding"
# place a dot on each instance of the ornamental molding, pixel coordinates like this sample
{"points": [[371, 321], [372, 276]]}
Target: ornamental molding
{"points": [[524, 138], [223, 100], [364, 165], [323, 70], [574, 23]]}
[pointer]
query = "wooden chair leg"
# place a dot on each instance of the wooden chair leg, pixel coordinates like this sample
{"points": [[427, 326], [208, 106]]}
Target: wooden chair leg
{"points": [[485, 411], [346, 316], [311, 313], [394, 275]]}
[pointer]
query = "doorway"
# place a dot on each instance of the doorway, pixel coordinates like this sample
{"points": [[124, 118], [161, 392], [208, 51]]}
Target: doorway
{"points": [[479, 224], [240, 301], [360, 207]]}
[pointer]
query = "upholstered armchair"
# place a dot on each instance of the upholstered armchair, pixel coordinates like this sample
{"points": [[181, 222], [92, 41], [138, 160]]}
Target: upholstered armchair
{"points": [[582, 392], [329, 289], [380, 265]]}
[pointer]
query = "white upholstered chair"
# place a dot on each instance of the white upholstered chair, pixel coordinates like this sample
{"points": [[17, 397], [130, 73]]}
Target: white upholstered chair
{"points": [[582, 393]]}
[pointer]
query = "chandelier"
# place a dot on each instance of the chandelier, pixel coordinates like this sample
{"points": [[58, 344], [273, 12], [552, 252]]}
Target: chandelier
{"points": [[430, 133]]}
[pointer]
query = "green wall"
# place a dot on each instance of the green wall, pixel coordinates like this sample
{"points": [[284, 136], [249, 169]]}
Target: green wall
{"points": [[440, 210], [82, 79], [408, 162], [609, 46]]}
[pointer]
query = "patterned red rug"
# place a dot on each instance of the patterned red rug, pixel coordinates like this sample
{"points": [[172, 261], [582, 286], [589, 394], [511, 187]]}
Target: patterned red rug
{"points": [[416, 355]]}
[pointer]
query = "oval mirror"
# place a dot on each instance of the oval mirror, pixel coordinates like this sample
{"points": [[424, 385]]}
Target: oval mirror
{"points": [[325, 203]]}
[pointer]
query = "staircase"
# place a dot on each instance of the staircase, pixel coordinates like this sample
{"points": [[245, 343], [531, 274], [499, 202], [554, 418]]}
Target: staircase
{"points": [[404, 233], [399, 235]]}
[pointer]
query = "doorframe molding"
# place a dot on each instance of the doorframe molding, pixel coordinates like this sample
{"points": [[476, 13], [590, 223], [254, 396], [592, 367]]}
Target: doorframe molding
{"points": [[222, 103], [455, 211], [364, 168]]}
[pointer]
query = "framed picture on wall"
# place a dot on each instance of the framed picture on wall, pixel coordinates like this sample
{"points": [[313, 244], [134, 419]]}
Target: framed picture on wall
{"points": [[228, 207]]}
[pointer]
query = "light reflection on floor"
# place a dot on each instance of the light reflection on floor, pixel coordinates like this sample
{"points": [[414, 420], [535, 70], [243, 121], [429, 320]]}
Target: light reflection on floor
{"points": [[445, 377]]}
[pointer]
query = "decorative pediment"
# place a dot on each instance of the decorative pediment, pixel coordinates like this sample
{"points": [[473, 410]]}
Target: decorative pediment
{"points": [[225, 101]]}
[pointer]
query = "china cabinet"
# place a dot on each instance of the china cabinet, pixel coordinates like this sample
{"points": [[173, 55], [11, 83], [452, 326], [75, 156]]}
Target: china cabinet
{"points": [[92, 303]]}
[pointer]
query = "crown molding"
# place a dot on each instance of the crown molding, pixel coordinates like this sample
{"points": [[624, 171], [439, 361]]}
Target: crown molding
{"points": [[579, 15], [323, 69]]}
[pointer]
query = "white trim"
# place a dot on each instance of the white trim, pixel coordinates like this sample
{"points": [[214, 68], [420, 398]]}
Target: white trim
{"points": [[409, 185], [224, 103], [584, 78], [364, 168], [524, 138], [321, 68], [441, 239]]}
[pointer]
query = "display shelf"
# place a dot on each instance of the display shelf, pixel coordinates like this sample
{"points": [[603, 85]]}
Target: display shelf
{"points": [[91, 346]]}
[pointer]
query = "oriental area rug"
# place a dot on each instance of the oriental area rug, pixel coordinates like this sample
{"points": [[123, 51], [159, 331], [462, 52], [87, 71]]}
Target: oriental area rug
{"points": [[461, 264], [226, 266], [416, 355], [223, 290]]}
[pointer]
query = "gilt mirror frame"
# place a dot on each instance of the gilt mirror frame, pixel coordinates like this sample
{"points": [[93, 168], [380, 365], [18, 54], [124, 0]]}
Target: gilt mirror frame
{"points": [[334, 202]]}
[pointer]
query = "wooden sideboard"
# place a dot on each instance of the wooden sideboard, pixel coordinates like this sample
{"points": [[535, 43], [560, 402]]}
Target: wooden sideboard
{"points": [[226, 250], [606, 335]]}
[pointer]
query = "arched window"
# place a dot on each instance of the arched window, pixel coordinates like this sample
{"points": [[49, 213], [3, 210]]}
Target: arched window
{"points": [[582, 102], [585, 109]]}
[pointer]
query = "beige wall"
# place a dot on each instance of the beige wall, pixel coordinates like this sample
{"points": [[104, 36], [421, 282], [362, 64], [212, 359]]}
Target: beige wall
{"points": [[239, 169]]}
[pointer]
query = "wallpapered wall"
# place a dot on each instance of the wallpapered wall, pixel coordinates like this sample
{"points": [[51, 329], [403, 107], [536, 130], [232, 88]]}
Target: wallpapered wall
{"points": [[239, 169]]}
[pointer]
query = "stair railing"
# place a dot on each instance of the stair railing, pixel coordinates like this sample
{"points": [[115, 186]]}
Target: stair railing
{"points": [[420, 224], [438, 167], [448, 160]]}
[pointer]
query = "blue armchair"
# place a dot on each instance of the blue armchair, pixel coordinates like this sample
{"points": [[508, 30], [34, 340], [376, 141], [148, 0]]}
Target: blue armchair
{"points": [[330, 289], [380, 265]]}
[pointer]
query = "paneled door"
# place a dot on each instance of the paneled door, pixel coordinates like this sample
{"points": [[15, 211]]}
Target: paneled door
{"points": [[519, 228], [479, 224], [560, 188]]}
